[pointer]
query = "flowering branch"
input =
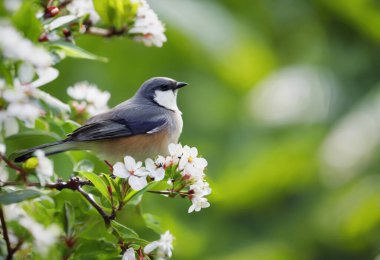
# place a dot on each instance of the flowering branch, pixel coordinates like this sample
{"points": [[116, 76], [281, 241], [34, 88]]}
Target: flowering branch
{"points": [[11, 251], [5, 234]]}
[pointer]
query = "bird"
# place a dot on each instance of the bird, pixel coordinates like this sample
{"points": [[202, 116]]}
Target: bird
{"points": [[141, 127]]}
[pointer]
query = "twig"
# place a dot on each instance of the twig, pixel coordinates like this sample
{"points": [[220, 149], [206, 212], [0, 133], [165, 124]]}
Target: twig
{"points": [[107, 218], [13, 166], [171, 193], [5, 233], [109, 165], [105, 32], [140, 253]]}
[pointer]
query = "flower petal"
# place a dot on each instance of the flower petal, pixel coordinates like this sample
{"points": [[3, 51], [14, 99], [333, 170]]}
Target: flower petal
{"points": [[141, 172], [137, 183], [149, 164], [158, 175], [130, 163], [200, 163], [150, 247], [119, 170], [191, 208], [129, 254]]}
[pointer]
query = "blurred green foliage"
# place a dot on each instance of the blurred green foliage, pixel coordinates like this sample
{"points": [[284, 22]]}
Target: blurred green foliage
{"points": [[269, 200]]}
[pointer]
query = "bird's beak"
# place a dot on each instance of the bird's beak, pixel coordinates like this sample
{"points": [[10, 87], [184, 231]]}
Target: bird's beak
{"points": [[180, 85]]}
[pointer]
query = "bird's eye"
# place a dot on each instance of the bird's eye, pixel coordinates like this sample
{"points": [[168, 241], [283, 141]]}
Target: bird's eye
{"points": [[164, 87]]}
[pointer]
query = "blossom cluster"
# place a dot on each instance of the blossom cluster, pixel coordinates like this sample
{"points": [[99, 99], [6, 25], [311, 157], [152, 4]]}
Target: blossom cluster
{"points": [[189, 167], [33, 70], [147, 27], [161, 248], [88, 98], [43, 237]]}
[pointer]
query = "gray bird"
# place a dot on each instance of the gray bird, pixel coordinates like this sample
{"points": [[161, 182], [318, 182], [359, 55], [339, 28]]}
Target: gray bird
{"points": [[142, 127]]}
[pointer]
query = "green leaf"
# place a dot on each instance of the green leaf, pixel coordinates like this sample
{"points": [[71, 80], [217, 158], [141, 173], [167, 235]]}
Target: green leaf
{"points": [[99, 184], [7, 198], [40, 124], [60, 21], [95, 249], [134, 197], [73, 51], [69, 218], [123, 231], [25, 20], [69, 126], [152, 222], [116, 13]]}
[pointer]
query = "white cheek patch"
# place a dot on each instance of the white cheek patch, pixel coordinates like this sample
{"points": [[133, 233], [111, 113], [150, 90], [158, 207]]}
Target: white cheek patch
{"points": [[167, 99]]}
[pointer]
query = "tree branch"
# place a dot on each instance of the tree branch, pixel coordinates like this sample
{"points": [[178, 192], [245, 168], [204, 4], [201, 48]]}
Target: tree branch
{"points": [[10, 250], [107, 218]]}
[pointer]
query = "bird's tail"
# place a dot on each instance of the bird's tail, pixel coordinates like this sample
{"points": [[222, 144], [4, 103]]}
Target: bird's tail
{"points": [[49, 149]]}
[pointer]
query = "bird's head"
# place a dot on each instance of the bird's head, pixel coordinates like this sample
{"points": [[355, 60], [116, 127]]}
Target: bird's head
{"points": [[162, 91]]}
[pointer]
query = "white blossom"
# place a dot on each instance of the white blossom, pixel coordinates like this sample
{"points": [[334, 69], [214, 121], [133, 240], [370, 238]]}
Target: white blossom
{"points": [[8, 123], [198, 204], [129, 254], [44, 169], [189, 158], [132, 171], [20, 106], [3, 148], [163, 247], [4, 175], [175, 151], [16, 47], [12, 5], [200, 188], [83, 7], [27, 112], [164, 162], [44, 237], [154, 171], [147, 27], [89, 98], [50, 100]]}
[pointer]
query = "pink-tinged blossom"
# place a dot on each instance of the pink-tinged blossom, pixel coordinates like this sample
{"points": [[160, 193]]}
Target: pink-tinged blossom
{"points": [[163, 247], [132, 171], [147, 27]]}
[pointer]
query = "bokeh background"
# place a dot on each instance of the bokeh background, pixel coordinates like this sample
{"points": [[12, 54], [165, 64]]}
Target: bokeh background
{"points": [[284, 102]]}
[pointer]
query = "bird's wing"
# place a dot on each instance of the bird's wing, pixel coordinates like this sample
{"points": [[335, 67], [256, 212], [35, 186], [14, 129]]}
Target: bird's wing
{"points": [[121, 124]]}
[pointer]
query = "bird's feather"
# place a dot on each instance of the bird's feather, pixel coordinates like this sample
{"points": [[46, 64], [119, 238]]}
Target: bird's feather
{"points": [[128, 123]]}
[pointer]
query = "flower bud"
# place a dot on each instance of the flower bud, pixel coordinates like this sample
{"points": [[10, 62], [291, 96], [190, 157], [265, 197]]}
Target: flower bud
{"points": [[30, 164], [52, 11], [43, 38]]}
